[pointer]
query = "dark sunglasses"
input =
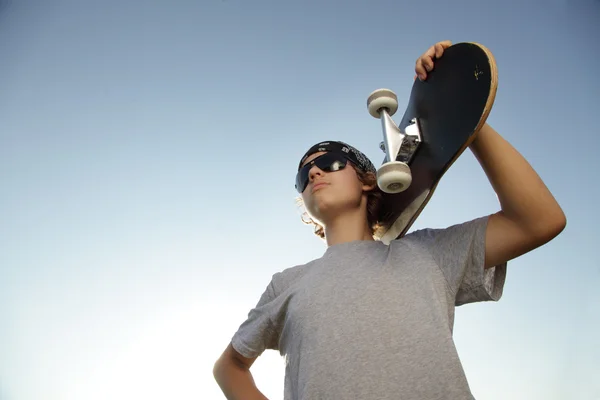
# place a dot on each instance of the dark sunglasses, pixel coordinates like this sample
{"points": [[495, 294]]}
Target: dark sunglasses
{"points": [[328, 162]]}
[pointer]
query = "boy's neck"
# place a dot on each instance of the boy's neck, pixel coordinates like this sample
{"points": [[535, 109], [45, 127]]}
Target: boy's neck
{"points": [[347, 228]]}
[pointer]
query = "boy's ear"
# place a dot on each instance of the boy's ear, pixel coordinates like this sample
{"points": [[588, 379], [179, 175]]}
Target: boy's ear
{"points": [[368, 188], [371, 182]]}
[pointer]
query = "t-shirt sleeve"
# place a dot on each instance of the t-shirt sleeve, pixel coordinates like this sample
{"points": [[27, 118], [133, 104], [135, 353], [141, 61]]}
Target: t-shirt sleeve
{"points": [[460, 253], [258, 332]]}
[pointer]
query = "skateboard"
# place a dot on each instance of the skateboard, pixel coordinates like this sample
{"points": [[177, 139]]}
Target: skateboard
{"points": [[443, 115]]}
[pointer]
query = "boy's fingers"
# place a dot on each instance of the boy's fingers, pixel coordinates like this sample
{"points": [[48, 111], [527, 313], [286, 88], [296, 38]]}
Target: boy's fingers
{"points": [[428, 63], [425, 63], [440, 47], [430, 52], [439, 50], [420, 70]]}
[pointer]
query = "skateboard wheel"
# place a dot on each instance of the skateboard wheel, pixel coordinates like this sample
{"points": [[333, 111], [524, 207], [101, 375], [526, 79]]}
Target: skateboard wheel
{"points": [[382, 98], [394, 177]]}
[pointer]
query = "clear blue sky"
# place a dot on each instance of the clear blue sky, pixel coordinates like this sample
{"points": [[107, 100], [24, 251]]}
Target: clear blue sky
{"points": [[147, 160]]}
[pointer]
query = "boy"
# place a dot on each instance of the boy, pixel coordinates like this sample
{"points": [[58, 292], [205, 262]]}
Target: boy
{"points": [[370, 321]]}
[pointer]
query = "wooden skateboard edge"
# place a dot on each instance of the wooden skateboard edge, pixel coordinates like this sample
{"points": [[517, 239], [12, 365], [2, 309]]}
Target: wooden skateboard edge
{"points": [[398, 228], [493, 87]]}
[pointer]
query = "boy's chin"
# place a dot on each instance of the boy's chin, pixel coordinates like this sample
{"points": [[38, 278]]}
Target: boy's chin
{"points": [[326, 210]]}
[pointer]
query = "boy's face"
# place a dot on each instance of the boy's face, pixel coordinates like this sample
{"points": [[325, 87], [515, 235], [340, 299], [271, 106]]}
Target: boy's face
{"points": [[330, 193]]}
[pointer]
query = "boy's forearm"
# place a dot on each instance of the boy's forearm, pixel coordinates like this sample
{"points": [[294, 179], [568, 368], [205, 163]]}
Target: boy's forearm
{"points": [[524, 198], [236, 382]]}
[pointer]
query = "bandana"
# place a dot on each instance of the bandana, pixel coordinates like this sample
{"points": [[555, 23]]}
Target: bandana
{"points": [[357, 158]]}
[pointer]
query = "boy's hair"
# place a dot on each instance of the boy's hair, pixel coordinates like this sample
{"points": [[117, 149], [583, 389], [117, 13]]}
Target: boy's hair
{"points": [[374, 197]]}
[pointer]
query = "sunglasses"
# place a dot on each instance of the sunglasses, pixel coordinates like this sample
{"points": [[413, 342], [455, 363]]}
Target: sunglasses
{"points": [[328, 162]]}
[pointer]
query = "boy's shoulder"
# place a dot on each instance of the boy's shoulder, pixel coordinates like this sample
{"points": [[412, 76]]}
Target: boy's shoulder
{"points": [[430, 233], [417, 237], [284, 278]]}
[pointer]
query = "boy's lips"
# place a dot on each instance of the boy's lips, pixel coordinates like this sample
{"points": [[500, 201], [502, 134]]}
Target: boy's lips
{"points": [[319, 185]]}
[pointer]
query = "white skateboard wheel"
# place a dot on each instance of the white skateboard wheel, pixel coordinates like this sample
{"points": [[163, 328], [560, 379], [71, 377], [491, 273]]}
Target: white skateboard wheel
{"points": [[382, 98], [394, 177]]}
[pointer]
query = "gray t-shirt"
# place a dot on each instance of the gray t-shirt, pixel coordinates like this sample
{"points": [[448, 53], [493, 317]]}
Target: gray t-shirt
{"points": [[374, 321]]}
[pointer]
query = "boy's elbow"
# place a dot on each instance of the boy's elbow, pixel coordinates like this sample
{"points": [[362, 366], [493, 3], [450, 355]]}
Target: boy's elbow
{"points": [[561, 223], [551, 226], [556, 223]]}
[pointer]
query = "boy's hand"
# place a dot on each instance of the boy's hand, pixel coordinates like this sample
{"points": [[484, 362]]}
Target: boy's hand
{"points": [[424, 63]]}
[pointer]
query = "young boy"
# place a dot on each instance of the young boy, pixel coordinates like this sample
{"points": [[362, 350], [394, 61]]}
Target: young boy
{"points": [[371, 321]]}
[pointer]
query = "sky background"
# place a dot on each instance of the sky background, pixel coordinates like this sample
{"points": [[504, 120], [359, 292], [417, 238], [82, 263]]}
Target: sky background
{"points": [[147, 160]]}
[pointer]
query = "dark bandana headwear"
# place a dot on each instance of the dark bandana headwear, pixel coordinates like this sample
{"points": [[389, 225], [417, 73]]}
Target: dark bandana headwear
{"points": [[358, 158]]}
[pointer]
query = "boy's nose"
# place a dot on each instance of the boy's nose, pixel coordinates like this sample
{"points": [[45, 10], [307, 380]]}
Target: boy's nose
{"points": [[314, 172]]}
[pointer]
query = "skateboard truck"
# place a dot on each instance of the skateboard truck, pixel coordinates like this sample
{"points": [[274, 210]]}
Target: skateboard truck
{"points": [[394, 175], [409, 141]]}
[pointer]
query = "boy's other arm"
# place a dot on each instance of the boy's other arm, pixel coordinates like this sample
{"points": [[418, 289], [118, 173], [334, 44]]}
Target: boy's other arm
{"points": [[530, 216], [232, 373]]}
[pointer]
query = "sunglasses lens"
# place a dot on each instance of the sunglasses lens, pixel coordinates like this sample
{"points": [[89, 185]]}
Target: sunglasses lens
{"points": [[328, 162], [335, 166], [302, 179]]}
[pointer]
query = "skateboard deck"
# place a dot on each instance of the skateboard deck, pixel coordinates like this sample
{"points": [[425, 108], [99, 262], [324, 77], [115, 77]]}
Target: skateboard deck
{"points": [[443, 114]]}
